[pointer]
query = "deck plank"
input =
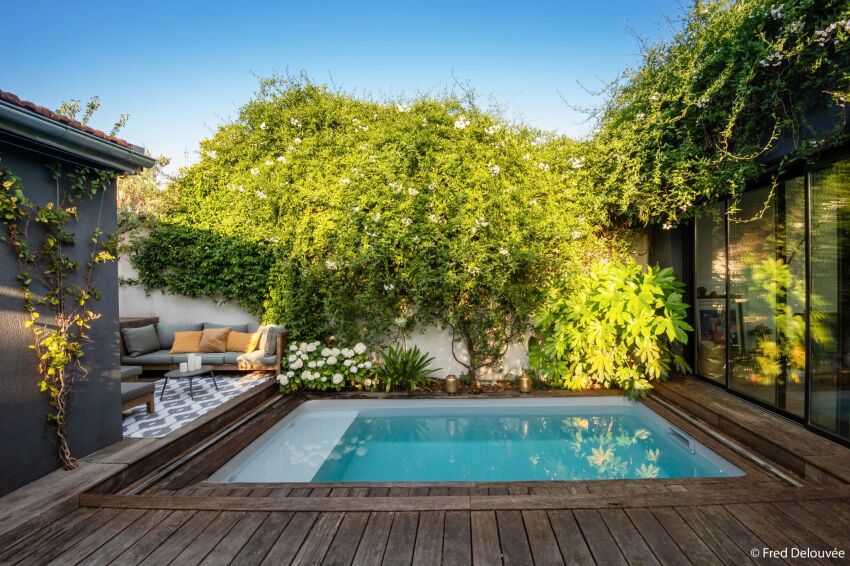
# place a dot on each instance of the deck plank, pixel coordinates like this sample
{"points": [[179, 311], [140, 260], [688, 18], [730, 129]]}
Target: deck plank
{"points": [[66, 539], [136, 553], [263, 538], [541, 538], [486, 549], [209, 538], [374, 541], [402, 539], [126, 538], [318, 540], [228, 548], [181, 538], [285, 548], [47, 536], [457, 538], [574, 549], [428, 548], [86, 545], [344, 545], [602, 545], [725, 549], [631, 544], [513, 538], [685, 537], [664, 548]]}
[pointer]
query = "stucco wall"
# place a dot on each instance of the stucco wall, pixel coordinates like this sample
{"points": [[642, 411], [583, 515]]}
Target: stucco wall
{"points": [[27, 448]]}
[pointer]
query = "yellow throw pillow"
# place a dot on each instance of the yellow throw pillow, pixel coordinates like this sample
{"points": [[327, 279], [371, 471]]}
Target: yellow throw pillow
{"points": [[214, 340], [239, 341], [186, 342], [254, 342]]}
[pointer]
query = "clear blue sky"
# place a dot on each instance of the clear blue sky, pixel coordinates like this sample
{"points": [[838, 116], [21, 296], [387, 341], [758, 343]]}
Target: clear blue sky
{"points": [[179, 68]]}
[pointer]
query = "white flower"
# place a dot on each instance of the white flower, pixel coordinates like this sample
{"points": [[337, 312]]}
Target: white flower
{"points": [[345, 181], [292, 358], [461, 123], [295, 122], [302, 347], [412, 192], [389, 287], [377, 217], [297, 364], [320, 363], [281, 159], [640, 116], [282, 379], [347, 363], [263, 126], [330, 264], [403, 107], [324, 378], [290, 373], [268, 163], [353, 369], [293, 348], [212, 154], [400, 321], [406, 221], [307, 374], [495, 170], [311, 364], [503, 251], [303, 355], [261, 195], [331, 360], [533, 202], [325, 352], [543, 166], [334, 351], [347, 352], [367, 364], [337, 378], [311, 347], [433, 218], [297, 140], [490, 130], [367, 383], [576, 234], [577, 162], [255, 171], [360, 348]]}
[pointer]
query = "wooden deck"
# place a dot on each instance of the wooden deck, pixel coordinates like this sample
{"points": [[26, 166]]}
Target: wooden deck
{"points": [[142, 516]]}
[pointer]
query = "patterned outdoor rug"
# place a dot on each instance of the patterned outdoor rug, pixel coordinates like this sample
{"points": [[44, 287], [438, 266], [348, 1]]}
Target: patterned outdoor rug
{"points": [[177, 409]]}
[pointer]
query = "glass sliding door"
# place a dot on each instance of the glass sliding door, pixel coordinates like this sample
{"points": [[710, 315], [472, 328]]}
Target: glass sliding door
{"points": [[830, 299], [710, 284], [767, 292]]}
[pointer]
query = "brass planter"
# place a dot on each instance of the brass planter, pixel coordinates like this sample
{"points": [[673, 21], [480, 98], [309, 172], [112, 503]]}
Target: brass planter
{"points": [[524, 383], [451, 384]]}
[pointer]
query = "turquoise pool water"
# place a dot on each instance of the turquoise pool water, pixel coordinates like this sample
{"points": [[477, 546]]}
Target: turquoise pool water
{"points": [[473, 440]]}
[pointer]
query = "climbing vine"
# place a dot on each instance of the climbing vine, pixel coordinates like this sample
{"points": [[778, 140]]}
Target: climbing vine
{"points": [[57, 290]]}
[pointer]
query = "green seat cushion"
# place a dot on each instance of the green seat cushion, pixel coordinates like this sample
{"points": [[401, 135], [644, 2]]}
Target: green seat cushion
{"points": [[232, 357], [234, 327], [165, 332], [159, 357], [139, 341], [130, 391]]}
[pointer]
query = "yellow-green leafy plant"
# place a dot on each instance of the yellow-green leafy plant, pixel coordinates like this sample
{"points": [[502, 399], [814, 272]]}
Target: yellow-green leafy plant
{"points": [[57, 290], [616, 325]]}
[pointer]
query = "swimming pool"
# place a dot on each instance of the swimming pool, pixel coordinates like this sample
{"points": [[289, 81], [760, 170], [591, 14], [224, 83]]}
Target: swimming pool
{"points": [[528, 439]]}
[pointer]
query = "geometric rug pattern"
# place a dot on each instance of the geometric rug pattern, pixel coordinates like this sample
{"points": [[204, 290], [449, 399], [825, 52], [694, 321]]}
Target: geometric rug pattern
{"points": [[177, 408]]}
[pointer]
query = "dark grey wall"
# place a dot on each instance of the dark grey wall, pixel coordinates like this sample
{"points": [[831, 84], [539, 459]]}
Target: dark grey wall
{"points": [[27, 446]]}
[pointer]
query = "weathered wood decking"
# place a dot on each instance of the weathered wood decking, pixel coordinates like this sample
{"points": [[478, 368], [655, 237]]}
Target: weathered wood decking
{"points": [[182, 518], [393, 526]]}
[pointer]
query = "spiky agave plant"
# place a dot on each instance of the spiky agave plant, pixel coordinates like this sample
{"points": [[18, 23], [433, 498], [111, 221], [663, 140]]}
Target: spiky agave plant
{"points": [[404, 368]]}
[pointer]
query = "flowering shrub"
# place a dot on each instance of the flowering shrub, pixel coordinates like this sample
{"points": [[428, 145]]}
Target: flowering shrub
{"points": [[311, 366]]}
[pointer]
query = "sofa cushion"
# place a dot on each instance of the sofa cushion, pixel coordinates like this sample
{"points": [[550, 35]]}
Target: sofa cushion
{"points": [[130, 391], [252, 327], [160, 357], [239, 341], [236, 327], [271, 340], [186, 342], [166, 333], [138, 341], [255, 358], [128, 372], [214, 340], [232, 357], [206, 359]]}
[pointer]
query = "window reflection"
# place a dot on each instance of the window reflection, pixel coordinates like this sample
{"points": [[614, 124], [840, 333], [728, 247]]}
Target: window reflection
{"points": [[710, 283]]}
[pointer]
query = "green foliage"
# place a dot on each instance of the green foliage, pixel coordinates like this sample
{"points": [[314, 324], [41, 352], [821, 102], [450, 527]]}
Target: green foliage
{"points": [[614, 326], [56, 289], [377, 217], [311, 366], [696, 120], [407, 369]]}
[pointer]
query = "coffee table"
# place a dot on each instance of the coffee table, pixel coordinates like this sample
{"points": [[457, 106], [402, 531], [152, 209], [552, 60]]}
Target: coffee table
{"points": [[176, 373]]}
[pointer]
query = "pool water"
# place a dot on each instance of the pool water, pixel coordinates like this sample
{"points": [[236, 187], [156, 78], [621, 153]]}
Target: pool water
{"points": [[585, 438]]}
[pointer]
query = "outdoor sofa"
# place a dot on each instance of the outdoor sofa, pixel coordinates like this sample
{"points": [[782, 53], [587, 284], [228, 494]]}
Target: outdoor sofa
{"points": [[147, 343]]}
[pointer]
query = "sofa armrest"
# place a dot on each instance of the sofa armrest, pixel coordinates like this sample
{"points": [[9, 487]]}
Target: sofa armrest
{"points": [[280, 348]]}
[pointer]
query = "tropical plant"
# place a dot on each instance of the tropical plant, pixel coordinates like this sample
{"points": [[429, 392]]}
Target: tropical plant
{"points": [[404, 368], [614, 326], [57, 290]]}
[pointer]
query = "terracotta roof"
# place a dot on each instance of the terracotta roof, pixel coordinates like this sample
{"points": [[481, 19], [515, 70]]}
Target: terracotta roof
{"points": [[47, 113]]}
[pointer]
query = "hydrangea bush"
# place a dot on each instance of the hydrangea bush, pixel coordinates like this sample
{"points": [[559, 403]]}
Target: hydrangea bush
{"points": [[310, 366]]}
